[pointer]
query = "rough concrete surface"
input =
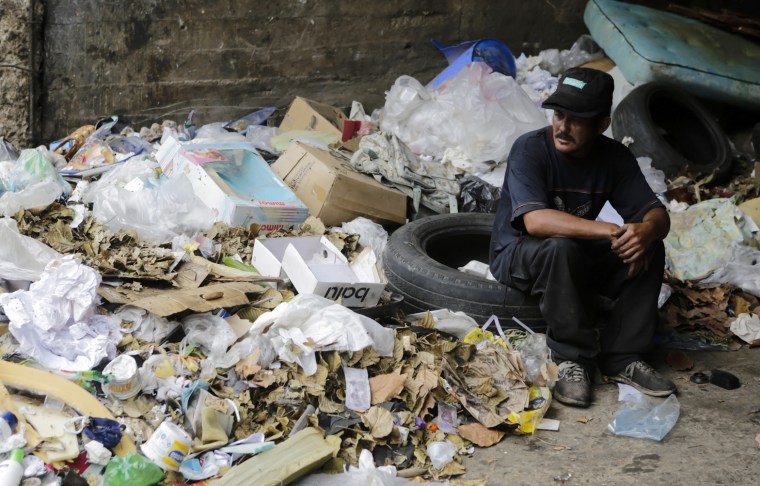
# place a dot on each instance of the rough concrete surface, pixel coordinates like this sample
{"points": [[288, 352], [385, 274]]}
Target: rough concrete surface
{"points": [[14, 71], [713, 441]]}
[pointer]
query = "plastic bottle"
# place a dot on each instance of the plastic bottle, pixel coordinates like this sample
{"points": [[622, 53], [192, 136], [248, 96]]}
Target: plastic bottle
{"points": [[8, 423], [11, 470]]}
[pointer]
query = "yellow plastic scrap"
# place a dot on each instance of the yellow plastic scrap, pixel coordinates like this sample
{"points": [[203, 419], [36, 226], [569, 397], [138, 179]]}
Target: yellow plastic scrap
{"points": [[477, 335], [539, 399]]}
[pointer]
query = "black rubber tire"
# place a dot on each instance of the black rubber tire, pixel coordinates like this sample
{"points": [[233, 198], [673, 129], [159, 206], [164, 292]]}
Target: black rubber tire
{"points": [[421, 261], [672, 128]]}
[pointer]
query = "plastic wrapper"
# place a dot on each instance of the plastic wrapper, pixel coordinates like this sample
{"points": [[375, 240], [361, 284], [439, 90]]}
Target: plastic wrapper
{"points": [[582, 51], [22, 257], [478, 196], [358, 393], [216, 133], [441, 453], [539, 400], [132, 470], [308, 322], [535, 356], [55, 320], [478, 112], [202, 467], [644, 417]]}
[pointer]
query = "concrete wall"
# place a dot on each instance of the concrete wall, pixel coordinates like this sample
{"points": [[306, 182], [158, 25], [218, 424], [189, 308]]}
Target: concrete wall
{"points": [[148, 60], [14, 70]]}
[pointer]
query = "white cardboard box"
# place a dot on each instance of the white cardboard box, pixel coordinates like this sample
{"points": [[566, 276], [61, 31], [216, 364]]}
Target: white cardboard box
{"points": [[316, 266]]}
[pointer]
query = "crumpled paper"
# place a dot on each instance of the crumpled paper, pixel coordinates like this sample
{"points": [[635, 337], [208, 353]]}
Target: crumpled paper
{"points": [[311, 323], [747, 327], [55, 320]]}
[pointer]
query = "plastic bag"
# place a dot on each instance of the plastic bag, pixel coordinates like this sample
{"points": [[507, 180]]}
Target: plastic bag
{"points": [[370, 234], [478, 196], [33, 182], [156, 213], [324, 325], [146, 325], [261, 137], [366, 474], [8, 151], [441, 453], [644, 417], [22, 257], [132, 470], [655, 177], [582, 51], [742, 270], [478, 112], [213, 335]]}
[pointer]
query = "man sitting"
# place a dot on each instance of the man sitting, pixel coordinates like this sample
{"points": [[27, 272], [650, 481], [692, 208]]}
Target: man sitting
{"points": [[546, 241]]}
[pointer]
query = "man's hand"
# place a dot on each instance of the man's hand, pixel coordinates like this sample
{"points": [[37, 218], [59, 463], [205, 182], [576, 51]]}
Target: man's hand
{"points": [[637, 266], [631, 241]]}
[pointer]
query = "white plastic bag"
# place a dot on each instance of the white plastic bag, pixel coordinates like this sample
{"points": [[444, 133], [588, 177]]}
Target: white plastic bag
{"points": [[655, 177], [644, 417], [156, 213], [370, 234], [478, 112], [323, 324], [213, 335], [22, 257], [441, 453]]}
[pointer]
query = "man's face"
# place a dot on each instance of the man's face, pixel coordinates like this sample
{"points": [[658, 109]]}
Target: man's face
{"points": [[574, 136]]}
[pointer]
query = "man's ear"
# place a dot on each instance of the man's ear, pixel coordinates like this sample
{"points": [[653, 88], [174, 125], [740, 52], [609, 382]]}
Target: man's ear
{"points": [[604, 124]]}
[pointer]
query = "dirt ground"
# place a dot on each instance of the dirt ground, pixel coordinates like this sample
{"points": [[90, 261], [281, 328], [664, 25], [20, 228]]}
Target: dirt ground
{"points": [[713, 441]]}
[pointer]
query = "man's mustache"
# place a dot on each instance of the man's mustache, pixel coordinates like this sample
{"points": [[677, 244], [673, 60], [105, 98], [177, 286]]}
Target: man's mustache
{"points": [[565, 136]]}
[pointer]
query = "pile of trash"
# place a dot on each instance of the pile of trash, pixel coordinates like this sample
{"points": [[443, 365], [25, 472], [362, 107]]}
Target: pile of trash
{"points": [[184, 304]]}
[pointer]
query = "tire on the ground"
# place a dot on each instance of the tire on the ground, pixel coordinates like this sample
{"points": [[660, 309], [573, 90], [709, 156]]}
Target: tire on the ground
{"points": [[673, 129], [421, 261]]}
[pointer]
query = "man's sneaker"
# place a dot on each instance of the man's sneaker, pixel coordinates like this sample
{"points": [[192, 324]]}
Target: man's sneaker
{"points": [[644, 378], [573, 386]]}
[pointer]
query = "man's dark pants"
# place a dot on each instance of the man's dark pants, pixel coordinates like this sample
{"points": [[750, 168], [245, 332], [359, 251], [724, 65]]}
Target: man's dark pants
{"points": [[569, 275]]}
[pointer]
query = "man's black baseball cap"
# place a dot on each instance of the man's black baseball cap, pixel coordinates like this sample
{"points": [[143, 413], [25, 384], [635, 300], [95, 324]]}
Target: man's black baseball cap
{"points": [[582, 92]]}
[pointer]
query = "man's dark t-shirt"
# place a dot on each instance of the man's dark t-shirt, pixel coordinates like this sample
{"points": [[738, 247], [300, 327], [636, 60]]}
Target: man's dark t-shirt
{"points": [[539, 178]]}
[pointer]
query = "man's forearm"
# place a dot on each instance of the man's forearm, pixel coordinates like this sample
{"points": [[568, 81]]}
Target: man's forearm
{"points": [[660, 221], [545, 223]]}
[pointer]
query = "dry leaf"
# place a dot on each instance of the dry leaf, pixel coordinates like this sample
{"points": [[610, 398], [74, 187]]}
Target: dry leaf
{"points": [[385, 387], [480, 435], [427, 322], [249, 366], [584, 420], [379, 421], [679, 361]]}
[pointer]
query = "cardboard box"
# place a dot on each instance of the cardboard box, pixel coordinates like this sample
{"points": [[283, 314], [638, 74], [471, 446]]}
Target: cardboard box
{"points": [[235, 183], [335, 192], [306, 114], [318, 267], [268, 253]]}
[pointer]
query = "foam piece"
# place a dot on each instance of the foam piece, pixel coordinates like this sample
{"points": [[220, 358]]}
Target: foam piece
{"points": [[651, 45]]}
